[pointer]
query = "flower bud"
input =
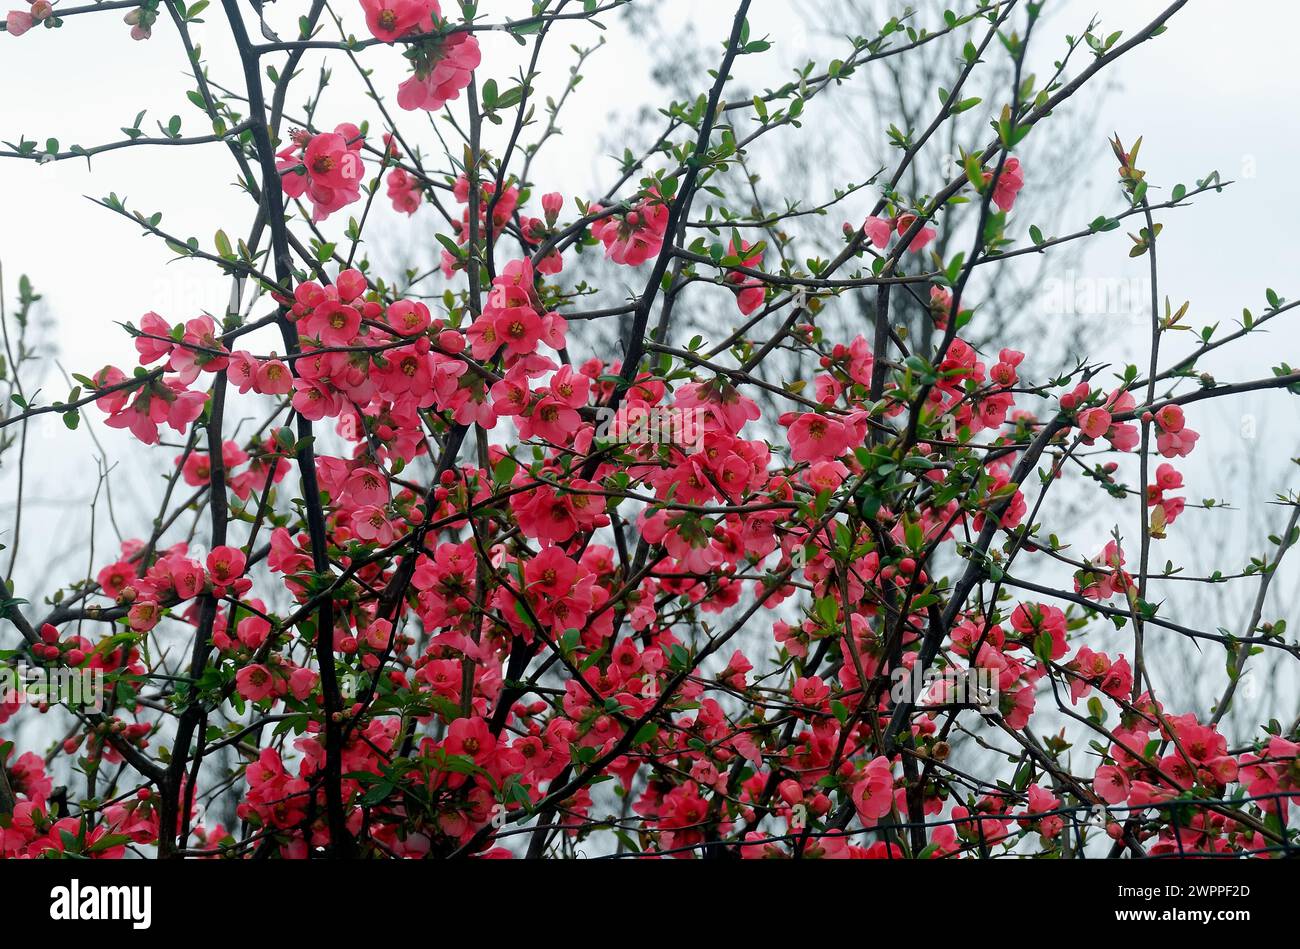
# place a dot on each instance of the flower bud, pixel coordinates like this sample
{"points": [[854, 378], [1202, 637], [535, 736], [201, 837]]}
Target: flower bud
{"points": [[552, 203]]}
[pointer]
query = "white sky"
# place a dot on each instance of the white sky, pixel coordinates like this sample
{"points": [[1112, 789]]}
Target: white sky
{"points": [[1210, 94]]}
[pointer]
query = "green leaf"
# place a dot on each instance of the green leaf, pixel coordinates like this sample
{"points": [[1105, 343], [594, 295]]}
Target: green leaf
{"points": [[505, 470], [511, 97], [1043, 647], [1096, 711], [452, 247]]}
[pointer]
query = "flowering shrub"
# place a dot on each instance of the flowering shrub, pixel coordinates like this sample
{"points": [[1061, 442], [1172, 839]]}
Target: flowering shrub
{"points": [[440, 604]]}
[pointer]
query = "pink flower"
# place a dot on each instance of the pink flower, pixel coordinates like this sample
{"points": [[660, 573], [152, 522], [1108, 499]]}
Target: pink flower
{"points": [[737, 667], [253, 631], [114, 578], [390, 19], [923, 236], [1176, 444], [144, 615], [1118, 681], [472, 738], [329, 171], [1010, 181], [1111, 784], [370, 523], [749, 290], [817, 438], [550, 419], [519, 327], [242, 370], [411, 318], [810, 691], [367, 486], [637, 236], [302, 682], [404, 191], [552, 205], [873, 794], [825, 475], [1021, 708], [336, 323], [878, 230], [569, 387], [1170, 418], [226, 564], [1094, 423], [18, 23], [1042, 801], [442, 69], [1144, 794], [254, 682], [1105, 575], [187, 576], [1034, 619], [550, 573], [1168, 477], [150, 349], [551, 264], [273, 378]]}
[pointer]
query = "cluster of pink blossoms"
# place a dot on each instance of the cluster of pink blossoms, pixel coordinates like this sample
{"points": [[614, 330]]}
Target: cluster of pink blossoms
{"points": [[185, 352], [18, 22], [532, 230], [1175, 439], [750, 292], [339, 376], [188, 351], [171, 580], [33, 832], [376, 365], [1096, 420], [404, 360], [878, 231], [1104, 575], [635, 236], [1167, 479], [327, 168], [1197, 756], [404, 191], [443, 65]]}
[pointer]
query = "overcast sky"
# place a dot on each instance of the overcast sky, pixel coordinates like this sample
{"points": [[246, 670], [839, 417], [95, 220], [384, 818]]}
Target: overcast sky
{"points": [[1216, 92]]}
